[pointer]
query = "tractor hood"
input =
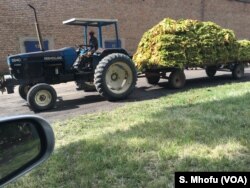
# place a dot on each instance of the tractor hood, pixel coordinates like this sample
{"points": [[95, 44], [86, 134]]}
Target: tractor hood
{"points": [[32, 65], [42, 56]]}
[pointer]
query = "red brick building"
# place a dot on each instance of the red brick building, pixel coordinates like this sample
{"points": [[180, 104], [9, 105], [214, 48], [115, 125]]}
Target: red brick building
{"points": [[135, 17]]}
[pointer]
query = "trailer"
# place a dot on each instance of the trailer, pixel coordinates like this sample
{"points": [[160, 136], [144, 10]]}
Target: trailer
{"points": [[171, 46], [177, 79]]}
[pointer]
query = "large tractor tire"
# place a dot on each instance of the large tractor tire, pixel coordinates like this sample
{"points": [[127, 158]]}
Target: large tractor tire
{"points": [[238, 71], [177, 79], [211, 71], [41, 97], [115, 76], [23, 91], [152, 77]]}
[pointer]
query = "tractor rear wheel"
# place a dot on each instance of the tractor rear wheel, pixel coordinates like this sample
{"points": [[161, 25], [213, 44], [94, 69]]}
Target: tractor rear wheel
{"points": [[177, 79], [238, 71], [41, 97], [23, 90], [115, 76]]}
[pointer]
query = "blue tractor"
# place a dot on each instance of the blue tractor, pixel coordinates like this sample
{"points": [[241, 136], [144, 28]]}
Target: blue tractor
{"points": [[110, 71]]}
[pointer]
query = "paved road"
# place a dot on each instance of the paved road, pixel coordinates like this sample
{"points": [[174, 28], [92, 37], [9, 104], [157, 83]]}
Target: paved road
{"points": [[71, 102]]}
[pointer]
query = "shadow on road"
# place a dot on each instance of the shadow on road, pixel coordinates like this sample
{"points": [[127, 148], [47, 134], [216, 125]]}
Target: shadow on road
{"points": [[75, 103]]}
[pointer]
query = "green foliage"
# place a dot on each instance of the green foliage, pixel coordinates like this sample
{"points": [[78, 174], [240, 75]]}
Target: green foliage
{"points": [[244, 50], [179, 43]]}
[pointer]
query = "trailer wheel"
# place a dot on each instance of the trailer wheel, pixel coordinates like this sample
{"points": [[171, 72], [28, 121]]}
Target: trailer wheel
{"points": [[115, 76], [41, 97], [152, 77], [177, 79], [211, 71], [23, 91], [238, 71]]}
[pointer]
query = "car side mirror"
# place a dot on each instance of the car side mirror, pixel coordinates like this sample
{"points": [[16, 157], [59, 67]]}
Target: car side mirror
{"points": [[25, 142]]}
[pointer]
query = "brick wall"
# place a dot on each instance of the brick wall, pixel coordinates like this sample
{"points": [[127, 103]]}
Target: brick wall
{"points": [[135, 17]]}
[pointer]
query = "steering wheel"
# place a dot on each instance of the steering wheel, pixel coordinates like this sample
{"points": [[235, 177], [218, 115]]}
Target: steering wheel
{"points": [[83, 45]]}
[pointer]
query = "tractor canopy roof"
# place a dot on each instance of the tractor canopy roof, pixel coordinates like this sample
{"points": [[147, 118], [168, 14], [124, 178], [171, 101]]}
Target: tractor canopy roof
{"points": [[90, 22], [99, 23]]}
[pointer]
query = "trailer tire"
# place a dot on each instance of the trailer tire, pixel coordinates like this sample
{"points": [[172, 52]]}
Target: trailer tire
{"points": [[115, 76], [23, 91], [152, 77], [238, 71], [177, 79], [211, 71], [41, 97]]}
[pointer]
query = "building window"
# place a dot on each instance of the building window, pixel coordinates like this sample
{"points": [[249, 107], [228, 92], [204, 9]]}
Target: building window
{"points": [[30, 44], [33, 45]]}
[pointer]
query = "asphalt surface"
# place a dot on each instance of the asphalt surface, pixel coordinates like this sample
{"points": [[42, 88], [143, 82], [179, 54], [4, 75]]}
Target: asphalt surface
{"points": [[72, 103]]}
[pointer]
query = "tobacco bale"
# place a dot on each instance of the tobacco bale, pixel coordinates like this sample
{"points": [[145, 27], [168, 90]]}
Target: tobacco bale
{"points": [[244, 50], [182, 43]]}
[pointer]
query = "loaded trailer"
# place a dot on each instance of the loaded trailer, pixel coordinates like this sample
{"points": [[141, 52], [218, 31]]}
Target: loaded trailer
{"points": [[171, 46]]}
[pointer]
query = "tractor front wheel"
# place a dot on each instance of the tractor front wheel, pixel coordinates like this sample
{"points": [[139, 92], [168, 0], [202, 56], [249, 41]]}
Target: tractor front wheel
{"points": [[23, 91], [41, 97], [115, 76]]}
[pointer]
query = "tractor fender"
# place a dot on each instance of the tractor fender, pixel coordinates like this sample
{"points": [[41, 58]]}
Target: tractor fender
{"points": [[103, 52]]}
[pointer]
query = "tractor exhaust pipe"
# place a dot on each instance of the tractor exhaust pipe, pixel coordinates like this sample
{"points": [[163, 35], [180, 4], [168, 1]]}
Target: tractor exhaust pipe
{"points": [[38, 32]]}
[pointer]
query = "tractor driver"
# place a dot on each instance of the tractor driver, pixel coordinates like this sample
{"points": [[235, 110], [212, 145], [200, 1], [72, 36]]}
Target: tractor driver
{"points": [[93, 42], [85, 58], [92, 47]]}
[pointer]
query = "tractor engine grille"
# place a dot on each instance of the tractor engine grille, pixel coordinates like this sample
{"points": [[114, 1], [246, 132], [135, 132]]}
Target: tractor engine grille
{"points": [[27, 70]]}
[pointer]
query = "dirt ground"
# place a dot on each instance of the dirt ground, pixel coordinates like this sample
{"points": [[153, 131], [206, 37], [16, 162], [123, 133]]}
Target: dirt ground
{"points": [[71, 103]]}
